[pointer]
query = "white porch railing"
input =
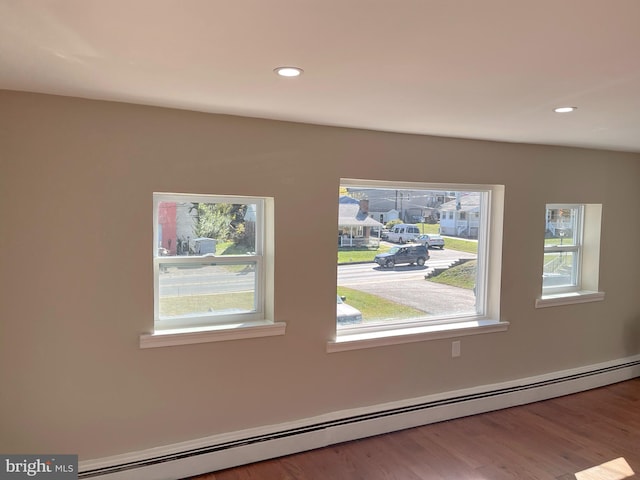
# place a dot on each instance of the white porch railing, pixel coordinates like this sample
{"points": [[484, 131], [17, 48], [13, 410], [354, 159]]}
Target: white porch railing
{"points": [[553, 227], [369, 242]]}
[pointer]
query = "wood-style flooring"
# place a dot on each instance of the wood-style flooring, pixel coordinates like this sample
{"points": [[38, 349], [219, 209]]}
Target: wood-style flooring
{"points": [[593, 435]]}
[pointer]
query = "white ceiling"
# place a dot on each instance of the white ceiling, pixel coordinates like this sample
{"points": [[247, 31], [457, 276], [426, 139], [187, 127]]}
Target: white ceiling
{"points": [[490, 69]]}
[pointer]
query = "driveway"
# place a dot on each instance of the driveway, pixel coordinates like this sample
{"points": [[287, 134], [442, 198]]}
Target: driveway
{"points": [[432, 298], [406, 284]]}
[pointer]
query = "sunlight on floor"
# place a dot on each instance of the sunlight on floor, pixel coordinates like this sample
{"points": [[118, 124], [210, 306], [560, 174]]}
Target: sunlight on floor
{"points": [[614, 470]]}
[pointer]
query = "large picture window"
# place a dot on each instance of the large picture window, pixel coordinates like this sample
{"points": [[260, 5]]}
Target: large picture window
{"points": [[208, 260], [414, 254]]}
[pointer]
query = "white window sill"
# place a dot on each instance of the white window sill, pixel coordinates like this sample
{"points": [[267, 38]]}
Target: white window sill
{"points": [[569, 298], [354, 341], [186, 336]]}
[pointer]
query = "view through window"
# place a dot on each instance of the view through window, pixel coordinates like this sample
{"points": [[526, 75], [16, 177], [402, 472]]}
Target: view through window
{"points": [[410, 254], [562, 247], [207, 260]]}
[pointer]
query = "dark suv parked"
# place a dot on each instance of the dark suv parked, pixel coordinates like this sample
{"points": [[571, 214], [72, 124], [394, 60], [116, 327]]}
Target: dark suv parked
{"points": [[408, 254]]}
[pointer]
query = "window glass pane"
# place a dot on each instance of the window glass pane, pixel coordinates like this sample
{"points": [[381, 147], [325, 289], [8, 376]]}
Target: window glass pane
{"points": [[198, 228], [197, 289], [559, 269], [407, 254], [562, 226]]}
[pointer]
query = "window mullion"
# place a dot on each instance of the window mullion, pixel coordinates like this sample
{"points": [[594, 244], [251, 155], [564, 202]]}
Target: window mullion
{"points": [[208, 260], [561, 248]]}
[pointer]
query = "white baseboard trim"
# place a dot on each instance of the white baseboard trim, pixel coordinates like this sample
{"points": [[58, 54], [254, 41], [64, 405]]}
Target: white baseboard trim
{"points": [[218, 452]]}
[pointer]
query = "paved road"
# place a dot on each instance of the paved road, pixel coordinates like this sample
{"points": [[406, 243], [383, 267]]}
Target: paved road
{"points": [[206, 280]]}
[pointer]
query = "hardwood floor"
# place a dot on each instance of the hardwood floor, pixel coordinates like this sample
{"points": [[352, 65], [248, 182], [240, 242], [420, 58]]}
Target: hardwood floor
{"points": [[553, 439]]}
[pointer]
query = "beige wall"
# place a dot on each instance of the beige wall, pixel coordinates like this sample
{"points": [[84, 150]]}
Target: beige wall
{"points": [[76, 287]]}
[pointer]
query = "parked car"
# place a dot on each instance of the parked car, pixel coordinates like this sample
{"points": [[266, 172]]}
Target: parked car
{"points": [[406, 254], [346, 314], [403, 232], [431, 240]]}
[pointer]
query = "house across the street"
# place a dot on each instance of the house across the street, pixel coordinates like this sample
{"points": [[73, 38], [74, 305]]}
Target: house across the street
{"points": [[355, 224]]}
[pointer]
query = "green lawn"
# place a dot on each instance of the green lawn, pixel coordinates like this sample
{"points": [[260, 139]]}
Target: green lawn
{"points": [[172, 306], [463, 275], [461, 245], [359, 254], [230, 248], [458, 244], [375, 308], [428, 227]]}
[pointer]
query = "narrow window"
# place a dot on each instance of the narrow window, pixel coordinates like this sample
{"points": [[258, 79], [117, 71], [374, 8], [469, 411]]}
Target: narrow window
{"points": [[563, 248]]}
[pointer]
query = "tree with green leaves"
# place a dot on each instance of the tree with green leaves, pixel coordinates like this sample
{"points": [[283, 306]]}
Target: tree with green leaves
{"points": [[222, 221]]}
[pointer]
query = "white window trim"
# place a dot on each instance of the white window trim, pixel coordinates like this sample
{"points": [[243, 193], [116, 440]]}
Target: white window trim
{"points": [[414, 333], [569, 298], [488, 290], [221, 328], [187, 336], [587, 289]]}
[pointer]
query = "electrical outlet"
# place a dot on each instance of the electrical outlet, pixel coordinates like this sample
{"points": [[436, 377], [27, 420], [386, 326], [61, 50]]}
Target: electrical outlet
{"points": [[455, 348]]}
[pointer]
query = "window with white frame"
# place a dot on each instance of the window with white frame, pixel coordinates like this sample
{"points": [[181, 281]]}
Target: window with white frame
{"points": [[209, 267], [451, 286], [563, 248], [571, 264]]}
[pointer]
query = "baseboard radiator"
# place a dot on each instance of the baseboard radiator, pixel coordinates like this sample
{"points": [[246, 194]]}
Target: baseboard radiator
{"points": [[228, 450]]}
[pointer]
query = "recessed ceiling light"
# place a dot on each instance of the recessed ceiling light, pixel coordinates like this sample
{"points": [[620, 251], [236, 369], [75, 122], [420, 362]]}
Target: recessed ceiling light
{"points": [[288, 71], [565, 109]]}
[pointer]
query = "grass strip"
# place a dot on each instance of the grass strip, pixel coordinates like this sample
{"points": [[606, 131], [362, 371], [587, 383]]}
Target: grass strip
{"points": [[462, 276], [215, 302], [376, 308]]}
